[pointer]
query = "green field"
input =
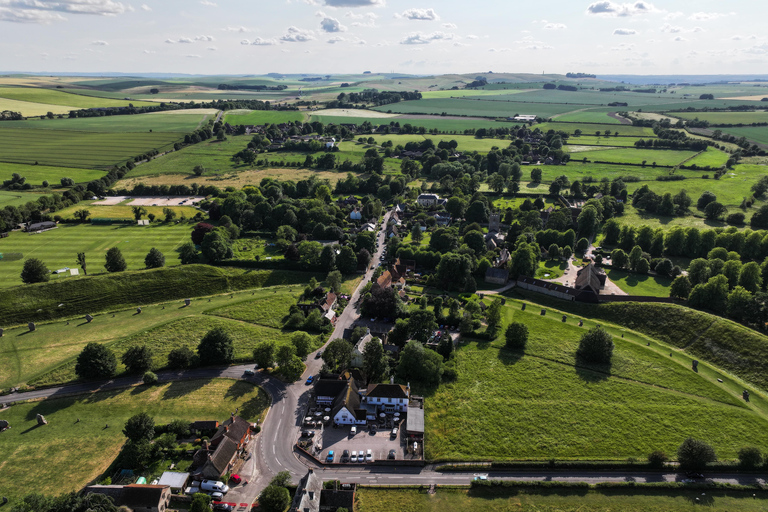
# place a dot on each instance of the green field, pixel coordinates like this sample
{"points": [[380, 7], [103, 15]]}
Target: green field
{"points": [[710, 158], [58, 248], [726, 117], [592, 140], [76, 448], [443, 124], [65, 148], [182, 121], [36, 174], [256, 117], [215, 156], [543, 404], [479, 108], [590, 129], [123, 212], [588, 116], [757, 134], [56, 97], [525, 499], [635, 284], [637, 156]]}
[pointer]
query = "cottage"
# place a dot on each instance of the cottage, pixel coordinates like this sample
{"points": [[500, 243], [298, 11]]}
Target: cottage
{"points": [[307, 497], [137, 497], [347, 409], [427, 200], [388, 397], [357, 351], [229, 441]]}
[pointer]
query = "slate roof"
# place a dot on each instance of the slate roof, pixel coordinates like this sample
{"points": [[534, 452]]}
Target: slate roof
{"points": [[140, 495], [387, 391], [204, 425], [221, 458], [307, 498], [329, 387], [587, 279], [349, 398], [235, 428]]}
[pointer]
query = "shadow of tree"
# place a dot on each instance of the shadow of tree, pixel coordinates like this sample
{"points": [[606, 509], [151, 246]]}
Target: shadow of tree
{"points": [[509, 356], [238, 389], [592, 372], [180, 388]]}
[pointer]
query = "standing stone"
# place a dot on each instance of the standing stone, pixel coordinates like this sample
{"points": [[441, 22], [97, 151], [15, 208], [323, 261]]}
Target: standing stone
{"points": [[31, 326], [543, 312], [88, 318], [564, 318], [187, 302], [581, 323], [41, 420], [4, 425], [138, 310], [523, 306], [1, 333]]}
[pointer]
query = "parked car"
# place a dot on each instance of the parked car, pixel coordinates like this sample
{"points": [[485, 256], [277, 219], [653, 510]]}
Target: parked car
{"points": [[369, 456], [217, 496], [329, 458], [250, 372], [353, 431], [214, 485], [319, 355], [480, 477], [345, 456], [394, 432], [307, 433], [392, 455], [225, 507], [353, 457], [236, 478], [694, 475], [310, 379]]}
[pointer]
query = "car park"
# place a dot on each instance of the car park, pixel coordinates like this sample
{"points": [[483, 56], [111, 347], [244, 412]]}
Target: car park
{"points": [[345, 456], [369, 456], [329, 457]]}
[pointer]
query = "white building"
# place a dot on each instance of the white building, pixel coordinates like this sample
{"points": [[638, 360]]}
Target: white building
{"points": [[388, 397], [427, 200]]}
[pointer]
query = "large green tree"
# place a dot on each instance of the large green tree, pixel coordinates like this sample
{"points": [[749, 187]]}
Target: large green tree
{"points": [[516, 335], [34, 271], [695, 454], [375, 361], [274, 498], [420, 364], [596, 346], [115, 261], [338, 354], [96, 361], [137, 359], [264, 354], [216, 347], [140, 427], [81, 261], [154, 259]]}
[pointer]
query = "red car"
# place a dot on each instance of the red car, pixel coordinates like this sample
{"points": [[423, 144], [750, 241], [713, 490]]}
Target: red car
{"points": [[236, 478]]}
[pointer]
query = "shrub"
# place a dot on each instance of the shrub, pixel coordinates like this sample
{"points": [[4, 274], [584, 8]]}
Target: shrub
{"points": [[516, 335], [596, 346], [695, 454], [149, 378], [750, 457], [657, 458], [180, 358]]}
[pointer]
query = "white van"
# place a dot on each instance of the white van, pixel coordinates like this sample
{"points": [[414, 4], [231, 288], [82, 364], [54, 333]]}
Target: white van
{"points": [[214, 486]]}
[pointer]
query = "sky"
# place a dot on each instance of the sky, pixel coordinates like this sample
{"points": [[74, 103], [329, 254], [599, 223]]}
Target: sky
{"points": [[213, 37]]}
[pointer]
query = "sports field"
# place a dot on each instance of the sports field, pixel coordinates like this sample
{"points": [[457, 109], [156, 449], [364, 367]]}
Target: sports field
{"points": [[122, 212], [544, 403], [36, 174], [58, 247], [67, 148], [84, 433]]}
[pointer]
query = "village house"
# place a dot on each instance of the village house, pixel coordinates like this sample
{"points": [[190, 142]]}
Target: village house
{"points": [[427, 200], [388, 397], [137, 497], [230, 440]]}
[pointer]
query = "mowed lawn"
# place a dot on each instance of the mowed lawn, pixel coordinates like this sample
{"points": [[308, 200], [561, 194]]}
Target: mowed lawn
{"points": [[636, 284], [121, 212], [76, 447], [184, 121], [543, 404], [58, 247], [66, 148], [36, 174], [523, 499]]}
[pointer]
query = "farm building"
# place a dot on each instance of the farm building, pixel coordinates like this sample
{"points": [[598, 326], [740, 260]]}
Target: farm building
{"points": [[39, 226], [547, 288], [137, 497]]}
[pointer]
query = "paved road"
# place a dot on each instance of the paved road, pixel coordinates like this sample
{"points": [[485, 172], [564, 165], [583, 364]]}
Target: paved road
{"points": [[273, 450]]}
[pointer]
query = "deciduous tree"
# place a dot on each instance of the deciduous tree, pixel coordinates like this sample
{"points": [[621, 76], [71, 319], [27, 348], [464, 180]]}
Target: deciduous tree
{"points": [[34, 271], [216, 347], [596, 346], [96, 362], [115, 261]]}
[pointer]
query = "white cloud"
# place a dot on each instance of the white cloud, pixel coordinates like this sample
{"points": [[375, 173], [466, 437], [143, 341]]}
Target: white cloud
{"points": [[471, 36], [679, 39], [367, 19], [555, 26], [334, 40], [185, 40], [192, 56], [298, 35], [494, 50], [736, 38], [47, 11], [612, 10], [241, 29], [460, 44], [697, 29], [149, 52], [211, 48], [623, 47], [673, 15], [537, 47], [450, 26], [332, 25], [419, 14], [419, 38], [259, 42], [204, 38], [170, 41], [624, 32], [672, 29], [99, 43], [207, 3], [145, 7], [706, 16], [354, 3]]}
